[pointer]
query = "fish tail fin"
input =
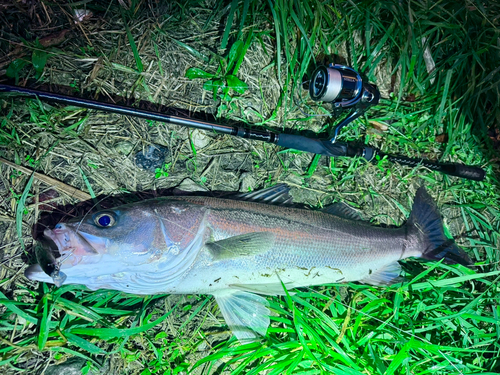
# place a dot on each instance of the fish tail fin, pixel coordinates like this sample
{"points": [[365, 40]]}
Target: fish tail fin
{"points": [[426, 219]]}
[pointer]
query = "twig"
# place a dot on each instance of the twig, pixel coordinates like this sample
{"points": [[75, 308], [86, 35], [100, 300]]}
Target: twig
{"points": [[61, 186]]}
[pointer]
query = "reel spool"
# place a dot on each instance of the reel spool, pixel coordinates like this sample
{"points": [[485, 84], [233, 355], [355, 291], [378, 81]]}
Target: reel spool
{"points": [[343, 87]]}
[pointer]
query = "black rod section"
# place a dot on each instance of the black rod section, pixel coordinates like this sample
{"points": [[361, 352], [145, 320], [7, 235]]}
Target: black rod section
{"points": [[452, 169], [260, 135], [122, 110]]}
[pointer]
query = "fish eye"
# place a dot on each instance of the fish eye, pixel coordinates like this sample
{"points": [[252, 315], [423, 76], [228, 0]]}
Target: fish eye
{"points": [[104, 220]]}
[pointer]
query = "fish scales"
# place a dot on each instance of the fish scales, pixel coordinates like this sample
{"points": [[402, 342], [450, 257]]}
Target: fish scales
{"points": [[236, 250], [304, 238], [306, 241]]}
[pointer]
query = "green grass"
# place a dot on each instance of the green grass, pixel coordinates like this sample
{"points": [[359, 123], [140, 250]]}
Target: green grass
{"points": [[444, 320]]}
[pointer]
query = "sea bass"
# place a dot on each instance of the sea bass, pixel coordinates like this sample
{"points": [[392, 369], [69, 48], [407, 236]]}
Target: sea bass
{"points": [[237, 249]]}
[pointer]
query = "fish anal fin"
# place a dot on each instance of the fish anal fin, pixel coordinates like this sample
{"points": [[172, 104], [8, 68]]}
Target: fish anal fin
{"points": [[245, 313], [247, 244], [390, 274]]}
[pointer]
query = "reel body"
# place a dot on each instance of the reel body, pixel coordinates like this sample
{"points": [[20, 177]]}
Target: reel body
{"points": [[345, 89]]}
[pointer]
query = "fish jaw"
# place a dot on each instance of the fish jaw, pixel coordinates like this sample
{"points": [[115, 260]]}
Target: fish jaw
{"points": [[75, 246], [143, 252], [35, 272], [77, 250]]}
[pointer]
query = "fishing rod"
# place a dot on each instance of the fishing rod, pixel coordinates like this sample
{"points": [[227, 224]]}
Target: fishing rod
{"points": [[339, 85]]}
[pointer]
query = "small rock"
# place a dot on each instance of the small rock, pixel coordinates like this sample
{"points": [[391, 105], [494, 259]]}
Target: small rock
{"points": [[248, 182], [442, 138], [124, 147], [294, 179], [151, 158], [189, 185], [82, 15], [200, 139], [72, 366], [379, 126]]}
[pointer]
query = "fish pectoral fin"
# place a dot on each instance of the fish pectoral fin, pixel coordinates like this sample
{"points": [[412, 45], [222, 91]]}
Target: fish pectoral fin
{"points": [[245, 313], [247, 244], [270, 289], [390, 274]]}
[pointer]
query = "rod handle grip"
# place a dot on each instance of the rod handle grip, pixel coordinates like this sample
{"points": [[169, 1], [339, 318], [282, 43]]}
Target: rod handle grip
{"points": [[313, 145], [470, 172], [452, 169]]}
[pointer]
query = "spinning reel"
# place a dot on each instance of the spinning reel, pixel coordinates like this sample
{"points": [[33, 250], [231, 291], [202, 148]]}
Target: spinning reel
{"points": [[344, 88]]}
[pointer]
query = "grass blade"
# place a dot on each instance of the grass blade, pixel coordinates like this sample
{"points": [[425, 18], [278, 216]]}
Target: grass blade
{"points": [[83, 344], [110, 333], [44, 323], [20, 210], [87, 183], [229, 24], [133, 46]]}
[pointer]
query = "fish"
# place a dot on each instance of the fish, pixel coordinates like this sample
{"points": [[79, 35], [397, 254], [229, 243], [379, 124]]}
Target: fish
{"points": [[239, 250]]}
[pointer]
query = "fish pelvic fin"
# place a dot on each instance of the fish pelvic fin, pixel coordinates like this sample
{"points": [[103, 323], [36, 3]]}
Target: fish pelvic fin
{"points": [[426, 219], [245, 313]]}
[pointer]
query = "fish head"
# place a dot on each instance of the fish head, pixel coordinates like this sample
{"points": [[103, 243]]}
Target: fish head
{"points": [[128, 239]]}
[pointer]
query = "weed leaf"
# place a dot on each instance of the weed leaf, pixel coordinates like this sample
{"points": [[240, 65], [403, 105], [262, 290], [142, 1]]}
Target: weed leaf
{"points": [[193, 73], [236, 84]]}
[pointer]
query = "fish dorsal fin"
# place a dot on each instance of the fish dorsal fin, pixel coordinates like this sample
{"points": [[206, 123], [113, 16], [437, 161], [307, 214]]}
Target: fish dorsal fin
{"points": [[247, 244], [390, 274], [245, 313], [278, 194], [343, 210]]}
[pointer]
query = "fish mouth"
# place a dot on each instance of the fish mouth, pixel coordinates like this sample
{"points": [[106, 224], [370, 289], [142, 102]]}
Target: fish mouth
{"points": [[71, 244], [75, 249]]}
